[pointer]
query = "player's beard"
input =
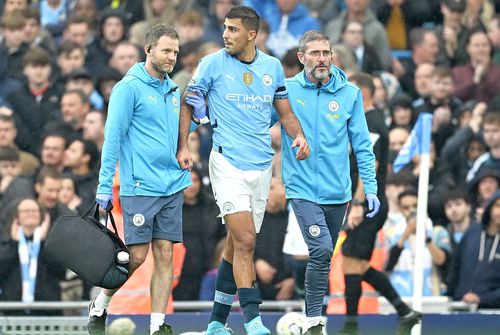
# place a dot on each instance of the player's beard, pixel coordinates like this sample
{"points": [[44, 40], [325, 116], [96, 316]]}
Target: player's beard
{"points": [[320, 74], [163, 68]]}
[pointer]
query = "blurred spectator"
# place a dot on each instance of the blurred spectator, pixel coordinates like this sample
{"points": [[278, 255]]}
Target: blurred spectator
{"points": [[397, 138], [374, 31], [106, 80], [37, 103], [475, 275], [214, 26], [491, 134], [344, 59], [86, 9], [52, 151], [80, 162], [124, 56], [9, 167], [494, 36], [403, 248], [187, 59], [53, 15], [12, 25], [70, 56], [324, 10], [380, 96], [155, 11], [366, 57], [79, 31], [201, 230], [395, 184], [263, 37], [28, 163], [459, 214], [112, 31], [7, 85], [68, 195], [26, 274], [440, 92], [274, 278], [81, 80], [132, 10], [74, 106], [199, 163], [452, 33], [288, 20], [465, 146], [424, 46], [403, 114], [442, 104], [93, 128], [291, 64], [189, 26], [34, 34], [423, 76], [440, 182], [478, 13], [477, 79], [10, 5], [401, 16], [207, 289], [482, 187], [47, 187]]}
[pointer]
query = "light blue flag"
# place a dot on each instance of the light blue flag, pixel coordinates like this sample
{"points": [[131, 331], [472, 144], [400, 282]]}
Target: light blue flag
{"points": [[417, 143]]}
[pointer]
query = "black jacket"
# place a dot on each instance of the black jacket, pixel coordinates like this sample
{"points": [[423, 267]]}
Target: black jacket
{"points": [[47, 282]]}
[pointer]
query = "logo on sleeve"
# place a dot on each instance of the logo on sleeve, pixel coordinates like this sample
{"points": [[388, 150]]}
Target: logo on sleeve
{"points": [[138, 220], [175, 102], [314, 230], [267, 80], [248, 78], [333, 106], [227, 207]]}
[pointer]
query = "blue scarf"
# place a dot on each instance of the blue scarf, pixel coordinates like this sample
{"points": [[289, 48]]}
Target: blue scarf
{"points": [[28, 259]]}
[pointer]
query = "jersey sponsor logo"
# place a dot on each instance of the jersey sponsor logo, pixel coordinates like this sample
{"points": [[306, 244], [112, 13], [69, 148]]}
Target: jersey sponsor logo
{"points": [[333, 106], [303, 103], [240, 97], [175, 102], [152, 98], [248, 78], [267, 80], [314, 230], [138, 220]]}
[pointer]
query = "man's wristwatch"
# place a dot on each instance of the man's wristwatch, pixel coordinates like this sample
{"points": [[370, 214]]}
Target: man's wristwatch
{"points": [[357, 202]]}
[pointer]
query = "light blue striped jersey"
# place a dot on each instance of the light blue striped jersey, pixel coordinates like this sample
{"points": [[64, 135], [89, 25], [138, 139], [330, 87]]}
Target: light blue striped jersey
{"points": [[240, 102]]}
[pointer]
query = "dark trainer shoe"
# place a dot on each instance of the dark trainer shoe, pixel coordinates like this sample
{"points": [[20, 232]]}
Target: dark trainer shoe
{"points": [[164, 330], [97, 319]]}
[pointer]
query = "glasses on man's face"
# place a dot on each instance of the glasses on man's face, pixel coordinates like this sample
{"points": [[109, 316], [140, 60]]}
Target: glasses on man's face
{"points": [[317, 53]]}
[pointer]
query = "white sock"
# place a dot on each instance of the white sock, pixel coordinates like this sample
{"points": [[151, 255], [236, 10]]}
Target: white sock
{"points": [[102, 300], [310, 322], [157, 320]]}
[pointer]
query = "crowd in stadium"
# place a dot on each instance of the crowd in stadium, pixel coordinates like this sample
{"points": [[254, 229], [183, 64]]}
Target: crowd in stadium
{"points": [[59, 61]]}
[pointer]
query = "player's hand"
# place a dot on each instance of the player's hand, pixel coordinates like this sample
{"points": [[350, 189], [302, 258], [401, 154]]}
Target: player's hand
{"points": [[197, 101], [303, 152], [373, 205], [184, 159], [105, 201], [471, 298]]}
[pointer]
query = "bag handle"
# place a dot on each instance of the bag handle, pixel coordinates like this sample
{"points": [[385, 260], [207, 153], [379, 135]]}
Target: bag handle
{"points": [[95, 209]]}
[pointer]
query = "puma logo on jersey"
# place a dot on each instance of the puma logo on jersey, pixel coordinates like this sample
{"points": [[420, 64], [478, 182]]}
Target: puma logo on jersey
{"points": [[303, 103], [230, 77], [152, 98]]}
